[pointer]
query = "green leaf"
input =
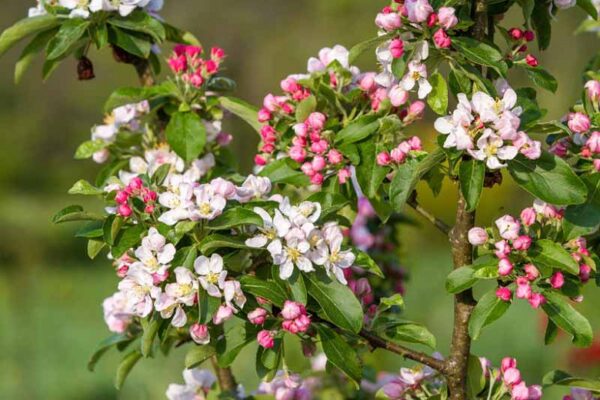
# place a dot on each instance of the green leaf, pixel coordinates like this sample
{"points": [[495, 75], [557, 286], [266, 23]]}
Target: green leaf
{"points": [[588, 7], [111, 228], [128, 95], [339, 304], [409, 332], [243, 110], [128, 237], [215, 242], [460, 280], [367, 45], [358, 130], [105, 345], [125, 367], [186, 135], [476, 378], [549, 254], [541, 21], [305, 108], [234, 340], [267, 289], [364, 261], [285, 170], [94, 247], [207, 306], [150, 331], [567, 318], [370, 175], [471, 175], [198, 354], [584, 219], [409, 174], [34, 47], [139, 21], [88, 148], [185, 257], [438, 98], [395, 300], [91, 230], [542, 78], [561, 378], [298, 288], [340, 353], [481, 53], [74, 213], [459, 82], [549, 178], [131, 42], [85, 188], [488, 309], [69, 33], [233, 217], [24, 28]]}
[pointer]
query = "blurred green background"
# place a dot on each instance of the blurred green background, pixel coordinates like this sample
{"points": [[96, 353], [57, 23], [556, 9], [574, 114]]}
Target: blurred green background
{"points": [[50, 293]]}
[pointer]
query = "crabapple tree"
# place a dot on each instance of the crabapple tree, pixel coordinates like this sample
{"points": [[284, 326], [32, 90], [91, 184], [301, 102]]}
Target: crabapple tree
{"points": [[305, 250]]}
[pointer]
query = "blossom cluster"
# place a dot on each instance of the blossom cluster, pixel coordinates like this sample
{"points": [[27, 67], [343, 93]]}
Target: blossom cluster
{"points": [[520, 38], [418, 382], [406, 149], [83, 8], [510, 242], [584, 140], [286, 386], [295, 320], [198, 383], [508, 380], [488, 129], [294, 241], [124, 118], [188, 65]]}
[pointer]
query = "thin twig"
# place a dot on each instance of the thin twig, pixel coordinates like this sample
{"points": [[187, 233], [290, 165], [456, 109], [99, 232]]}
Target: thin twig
{"points": [[438, 223]]}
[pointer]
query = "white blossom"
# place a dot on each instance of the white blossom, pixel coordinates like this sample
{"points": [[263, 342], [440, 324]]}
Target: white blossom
{"points": [[417, 74], [155, 254], [139, 290], [492, 150], [294, 253], [116, 313], [209, 204], [198, 383], [233, 294], [330, 254], [254, 187], [211, 274], [182, 292], [273, 229]]}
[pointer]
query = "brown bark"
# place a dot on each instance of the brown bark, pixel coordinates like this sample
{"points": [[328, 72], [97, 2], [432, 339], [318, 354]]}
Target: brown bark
{"points": [[144, 71], [225, 377]]}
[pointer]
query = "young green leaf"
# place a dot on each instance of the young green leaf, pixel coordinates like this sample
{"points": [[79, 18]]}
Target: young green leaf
{"points": [[139, 21], [24, 28], [567, 318], [118, 339], [125, 367], [243, 110], [357, 130], [488, 309], [584, 218], [305, 108], [267, 289], [198, 354], [471, 175], [215, 242], [69, 33], [85, 188], [37, 44], [542, 78], [285, 170], [460, 280], [186, 135], [340, 353], [561, 378], [481, 53], [438, 98], [131, 42], [549, 254], [233, 217]]}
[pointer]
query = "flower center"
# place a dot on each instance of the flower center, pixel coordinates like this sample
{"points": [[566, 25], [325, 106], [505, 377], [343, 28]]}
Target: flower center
{"points": [[204, 208], [212, 278], [491, 150], [294, 254]]}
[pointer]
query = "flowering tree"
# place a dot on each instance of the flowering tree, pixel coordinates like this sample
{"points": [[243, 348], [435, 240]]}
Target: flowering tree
{"points": [[304, 250]]}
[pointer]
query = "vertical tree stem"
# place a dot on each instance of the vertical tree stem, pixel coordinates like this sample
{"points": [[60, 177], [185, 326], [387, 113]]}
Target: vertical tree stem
{"points": [[225, 377], [462, 254], [144, 71]]}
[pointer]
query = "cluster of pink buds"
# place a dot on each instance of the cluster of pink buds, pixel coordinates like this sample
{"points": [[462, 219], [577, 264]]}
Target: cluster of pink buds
{"points": [[520, 39], [296, 319], [517, 387], [514, 237], [186, 62], [122, 265], [135, 189], [401, 153]]}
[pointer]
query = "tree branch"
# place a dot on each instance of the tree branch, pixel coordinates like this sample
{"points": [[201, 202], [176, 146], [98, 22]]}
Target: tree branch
{"points": [[379, 342], [225, 377], [144, 71], [438, 223]]}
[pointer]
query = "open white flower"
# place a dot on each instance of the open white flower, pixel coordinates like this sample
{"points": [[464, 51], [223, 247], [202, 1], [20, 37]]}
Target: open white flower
{"points": [[182, 292], [293, 253], [198, 383], [179, 202], [458, 125], [232, 291], [417, 74], [211, 272], [116, 313], [155, 253], [209, 204], [327, 56], [139, 290], [305, 212], [330, 254], [491, 148], [272, 230], [254, 187]]}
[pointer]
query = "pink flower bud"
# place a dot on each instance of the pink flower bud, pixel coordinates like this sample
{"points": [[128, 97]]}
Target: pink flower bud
{"points": [[504, 294], [289, 85], [507, 363], [447, 18], [384, 158], [302, 323], [122, 271], [509, 227], [316, 121], [396, 47], [520, 392], [267, 148], [124, 210], [264, 115], [528, 216], [300, 130], [529, 36], [122, 197], [200, 334], [367, 82], [307, 169], [217, 54], [398, 156], [335, 157], [136, 183], [223, 187], [502, 249], [593, 90], [511, 377], [505, 267], [557, 280], [319, 147], [149, 209], [319, 163], [297, 154], [584, 272], [535, 392], [388, 21], [260, 160], [398, 96], [317, 179], [432, 20], [593, 142], [531, 272], [477, 236], [596, 164], [441, 39], [531, 60], [258, 316], [415, 143], [196, 80], [178, 64], [578, 122], [523, 242], [223, 314], [160, 277], [536, 300], [523, 288], [416, 110], [224, 139], [266, 339], [516, 33], [343, 175], [418, 10]]}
